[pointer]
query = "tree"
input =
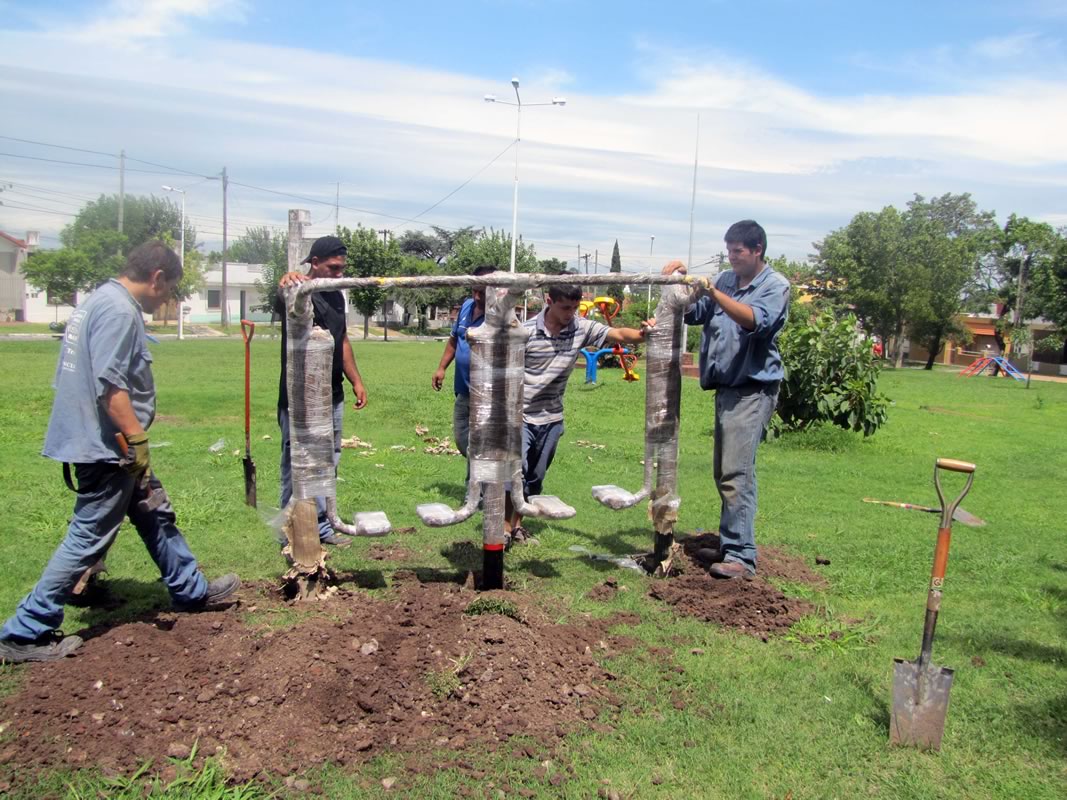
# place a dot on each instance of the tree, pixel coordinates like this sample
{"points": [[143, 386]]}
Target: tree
{"points": [[259, 245], [866, 266], [552, 266], [1049, 292], [144, 218], [367, 258], [65, 272], [1026, 249], [947, 239], [616, 292], [492, 248], [423, 298]]}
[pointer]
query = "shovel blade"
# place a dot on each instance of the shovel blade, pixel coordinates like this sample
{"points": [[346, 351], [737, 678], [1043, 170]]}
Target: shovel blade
{"points": [[250, 481], [920, 703]]}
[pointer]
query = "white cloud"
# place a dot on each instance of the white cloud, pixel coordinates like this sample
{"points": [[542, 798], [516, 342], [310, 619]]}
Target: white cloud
{"points": [[400, 137], [132, 21]]}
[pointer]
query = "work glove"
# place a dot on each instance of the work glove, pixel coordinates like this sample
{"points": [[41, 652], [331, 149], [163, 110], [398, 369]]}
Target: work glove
{"points": [[136, 461]]}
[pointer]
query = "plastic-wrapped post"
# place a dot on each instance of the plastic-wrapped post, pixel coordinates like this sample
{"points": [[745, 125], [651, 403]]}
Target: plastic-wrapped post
{"points": [[663, 371], [498, 352]]}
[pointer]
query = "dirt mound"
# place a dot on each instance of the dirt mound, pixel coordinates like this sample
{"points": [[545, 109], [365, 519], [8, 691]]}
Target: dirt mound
{"points": [[752, 606], [356, 676]]}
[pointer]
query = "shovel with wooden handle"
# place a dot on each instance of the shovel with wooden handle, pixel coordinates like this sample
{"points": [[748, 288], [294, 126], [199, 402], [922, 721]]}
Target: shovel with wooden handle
{"points": [[248, 329], [921, 688], [960, 515]]}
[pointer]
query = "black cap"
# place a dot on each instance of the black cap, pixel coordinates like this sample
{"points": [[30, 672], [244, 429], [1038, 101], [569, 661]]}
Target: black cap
{"points": [[325, 247]]}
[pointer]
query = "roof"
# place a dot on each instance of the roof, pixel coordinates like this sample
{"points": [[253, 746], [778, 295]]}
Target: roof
{"points": [[13, 240]]}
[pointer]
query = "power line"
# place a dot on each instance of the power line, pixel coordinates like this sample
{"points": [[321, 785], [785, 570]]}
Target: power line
{"points": [[84, 164], [39, 210], [464, 184]]}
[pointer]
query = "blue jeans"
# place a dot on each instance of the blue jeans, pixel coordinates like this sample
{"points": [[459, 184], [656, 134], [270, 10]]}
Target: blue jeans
{"points": [[108, 495], [325, 528], [539, 443], [741, 417]]}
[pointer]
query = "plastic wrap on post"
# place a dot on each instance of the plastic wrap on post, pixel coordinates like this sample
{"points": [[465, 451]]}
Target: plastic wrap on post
{"points": [[498, 354], [309, 379], [663, 404]]}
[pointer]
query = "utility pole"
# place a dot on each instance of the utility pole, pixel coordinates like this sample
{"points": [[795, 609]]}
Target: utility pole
{"points": [[337, 208], [385, 308], [648, 306], [578, 263], [693, 204], [596, 261], [224, 303], [122, 187], [586, 257]]}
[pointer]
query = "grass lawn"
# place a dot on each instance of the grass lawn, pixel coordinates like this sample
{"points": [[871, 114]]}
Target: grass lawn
{"points": [[799, 717]]}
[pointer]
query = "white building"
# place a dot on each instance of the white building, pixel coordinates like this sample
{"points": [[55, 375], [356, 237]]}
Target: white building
{"points": [[20, 302], [241, 295]]}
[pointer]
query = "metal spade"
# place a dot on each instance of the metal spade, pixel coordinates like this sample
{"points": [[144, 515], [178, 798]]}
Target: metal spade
{"points": [[921, 688]]}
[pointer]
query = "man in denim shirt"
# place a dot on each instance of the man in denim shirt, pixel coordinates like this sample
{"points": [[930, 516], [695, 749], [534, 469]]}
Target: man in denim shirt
{"points": [[742, 316], [105, 402]]}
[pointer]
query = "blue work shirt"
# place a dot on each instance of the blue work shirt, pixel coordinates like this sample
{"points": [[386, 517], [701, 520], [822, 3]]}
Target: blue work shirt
{"points": [[103, 346], [464, 322], [730, 355]]}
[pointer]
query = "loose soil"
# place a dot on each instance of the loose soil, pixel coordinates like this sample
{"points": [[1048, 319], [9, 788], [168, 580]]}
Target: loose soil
{"points": [[358, 675], [752, 606]]}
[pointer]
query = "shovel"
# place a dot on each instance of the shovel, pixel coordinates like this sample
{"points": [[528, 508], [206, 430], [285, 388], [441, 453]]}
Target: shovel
{"points": [[961, 516], [921, 688], [248, 329]]}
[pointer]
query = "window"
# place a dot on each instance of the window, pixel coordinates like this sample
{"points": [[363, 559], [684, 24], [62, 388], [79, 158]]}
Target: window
{"points": [[214, 298]]}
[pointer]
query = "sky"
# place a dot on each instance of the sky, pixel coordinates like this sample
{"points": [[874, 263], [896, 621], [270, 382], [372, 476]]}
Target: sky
{"points": [[808, 113]]}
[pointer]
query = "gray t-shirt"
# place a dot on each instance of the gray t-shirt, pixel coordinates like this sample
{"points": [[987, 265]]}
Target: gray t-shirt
{"points": [[104, 345], [549, 361]]}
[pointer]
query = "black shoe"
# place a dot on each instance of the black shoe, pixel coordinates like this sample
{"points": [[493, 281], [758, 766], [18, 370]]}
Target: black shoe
{"points": [[708, 555], [338, 540], [49, 647], [217, 591]]}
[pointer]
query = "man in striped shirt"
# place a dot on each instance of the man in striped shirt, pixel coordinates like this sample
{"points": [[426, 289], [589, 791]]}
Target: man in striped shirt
{"points": [[557, 336]]}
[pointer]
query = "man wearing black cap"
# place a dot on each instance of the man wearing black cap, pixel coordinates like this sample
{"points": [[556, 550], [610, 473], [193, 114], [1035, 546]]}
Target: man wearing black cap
{"points": [[327, 259]]}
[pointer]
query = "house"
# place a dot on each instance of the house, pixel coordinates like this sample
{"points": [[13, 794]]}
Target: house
{"points": [[18, 301], [242, 295]]}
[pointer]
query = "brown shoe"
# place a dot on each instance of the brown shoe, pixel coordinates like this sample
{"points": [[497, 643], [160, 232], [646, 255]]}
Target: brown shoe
{"points": [[731, 569], [708, 555]]}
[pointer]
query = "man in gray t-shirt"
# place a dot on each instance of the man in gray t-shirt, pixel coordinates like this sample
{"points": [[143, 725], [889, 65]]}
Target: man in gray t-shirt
{"points": [[558, 334], [104, 404]]}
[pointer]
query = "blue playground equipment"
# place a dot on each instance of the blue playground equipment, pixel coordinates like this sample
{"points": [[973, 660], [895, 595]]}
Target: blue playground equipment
{"points": [[592, 359], [982, 364]]}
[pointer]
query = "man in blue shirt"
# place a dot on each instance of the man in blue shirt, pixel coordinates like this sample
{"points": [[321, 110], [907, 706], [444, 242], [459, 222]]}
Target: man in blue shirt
{"points": [[105, 402], [742, 316], [471, 315]]}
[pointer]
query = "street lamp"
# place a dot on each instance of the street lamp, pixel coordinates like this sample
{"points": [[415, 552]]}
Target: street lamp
{"points": [[491, 98], [181, 254]]}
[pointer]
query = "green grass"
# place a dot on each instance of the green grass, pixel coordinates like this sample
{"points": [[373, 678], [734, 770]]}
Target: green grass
{"points": [[803, 715]]}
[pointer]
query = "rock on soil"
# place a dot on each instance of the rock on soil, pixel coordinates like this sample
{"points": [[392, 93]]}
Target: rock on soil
{"points": [[752, 606], [284, 700]]}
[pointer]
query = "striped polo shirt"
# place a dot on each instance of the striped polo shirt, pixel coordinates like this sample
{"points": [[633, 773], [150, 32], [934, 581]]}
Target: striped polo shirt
{"points": [[549, 361]]}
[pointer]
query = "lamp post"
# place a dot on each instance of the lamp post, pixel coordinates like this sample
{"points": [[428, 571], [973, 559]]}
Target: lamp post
{"points": [[181, 255], [491, 98]]}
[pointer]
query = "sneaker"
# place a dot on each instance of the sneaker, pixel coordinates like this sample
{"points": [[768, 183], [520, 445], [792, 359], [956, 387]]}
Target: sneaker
{"points": [[217, 591], [49, 647], [339, 540]]}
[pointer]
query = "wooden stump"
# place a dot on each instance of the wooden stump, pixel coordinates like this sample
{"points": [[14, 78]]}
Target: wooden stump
{"points": [[308, 578]]}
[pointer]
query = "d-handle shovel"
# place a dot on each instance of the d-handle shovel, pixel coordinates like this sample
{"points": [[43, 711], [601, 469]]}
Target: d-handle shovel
{"points": [[248, 329], [921, 688]]}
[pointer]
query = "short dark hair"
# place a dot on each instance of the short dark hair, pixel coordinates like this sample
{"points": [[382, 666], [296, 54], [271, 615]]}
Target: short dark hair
{"points": [[567, 291], [749, 233], [483, 269], [145, 259]]}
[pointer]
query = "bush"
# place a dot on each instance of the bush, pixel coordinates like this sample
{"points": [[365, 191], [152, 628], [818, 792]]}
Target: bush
{"points": [[831, 375]]}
